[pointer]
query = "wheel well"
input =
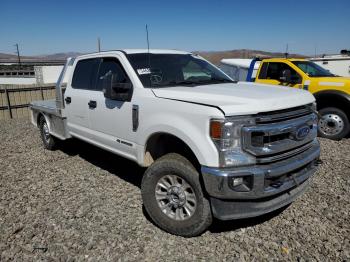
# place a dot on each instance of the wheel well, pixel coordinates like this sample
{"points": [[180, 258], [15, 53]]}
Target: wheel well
{"points": [[162, 143], [333, 100]]}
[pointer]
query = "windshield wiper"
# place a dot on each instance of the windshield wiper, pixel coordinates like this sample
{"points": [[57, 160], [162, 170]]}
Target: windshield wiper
{"points": [[178, 83], [223, 80], [193, 83], [217, 80]]}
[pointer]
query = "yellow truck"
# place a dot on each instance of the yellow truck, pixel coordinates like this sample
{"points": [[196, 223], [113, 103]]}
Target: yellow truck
{"points": [[332, 92]]}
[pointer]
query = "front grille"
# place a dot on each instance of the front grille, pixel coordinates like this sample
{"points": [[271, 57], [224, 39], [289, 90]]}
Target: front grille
{"points": [[283, 155], [284, 114], [280, 134]]}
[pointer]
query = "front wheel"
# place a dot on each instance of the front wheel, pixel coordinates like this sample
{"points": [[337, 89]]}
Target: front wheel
{"points": [[333, 124], [173, 196]]}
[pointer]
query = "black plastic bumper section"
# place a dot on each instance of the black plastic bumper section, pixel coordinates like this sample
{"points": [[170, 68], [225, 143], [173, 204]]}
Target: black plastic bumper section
{"points": [[273, 186], [231, 209]]}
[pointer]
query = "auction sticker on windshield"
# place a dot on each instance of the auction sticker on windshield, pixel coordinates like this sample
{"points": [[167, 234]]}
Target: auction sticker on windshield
{"points": [[144, 71]]}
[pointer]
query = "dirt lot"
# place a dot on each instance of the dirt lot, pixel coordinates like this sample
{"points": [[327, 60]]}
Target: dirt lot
{"points": [[81, 203]]}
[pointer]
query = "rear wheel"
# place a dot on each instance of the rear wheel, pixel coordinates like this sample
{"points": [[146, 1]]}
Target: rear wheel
{"points": [[333, 124], [173, 196], [48, 140]]}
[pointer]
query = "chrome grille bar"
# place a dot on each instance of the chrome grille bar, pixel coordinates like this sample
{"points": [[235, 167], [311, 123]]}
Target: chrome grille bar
{"points": [[281, 115], [280, 139]]}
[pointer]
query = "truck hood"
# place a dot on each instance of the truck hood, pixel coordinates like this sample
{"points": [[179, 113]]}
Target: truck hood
{"points": [[239, 98]]}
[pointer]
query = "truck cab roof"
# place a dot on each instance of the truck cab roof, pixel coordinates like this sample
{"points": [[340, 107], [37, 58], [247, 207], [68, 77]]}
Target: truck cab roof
{"points": [[282, 59], [135, 51]]}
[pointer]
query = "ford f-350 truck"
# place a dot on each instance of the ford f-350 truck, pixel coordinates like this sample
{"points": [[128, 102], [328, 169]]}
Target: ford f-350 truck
{"points": [[213, 147]]}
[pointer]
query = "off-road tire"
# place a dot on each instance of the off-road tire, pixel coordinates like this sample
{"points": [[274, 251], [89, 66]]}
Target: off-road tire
{"points": [[341, 116], [176, 164], [49, 141]]}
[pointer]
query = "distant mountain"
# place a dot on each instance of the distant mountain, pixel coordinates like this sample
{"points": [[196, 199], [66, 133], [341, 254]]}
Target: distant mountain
{"points": [[216, 56], [11, 56], [212, 56], [5, 56], [61, 56], [52, 57]]}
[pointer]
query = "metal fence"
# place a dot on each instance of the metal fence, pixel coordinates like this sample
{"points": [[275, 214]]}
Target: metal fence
{"points": [[15, 99]]}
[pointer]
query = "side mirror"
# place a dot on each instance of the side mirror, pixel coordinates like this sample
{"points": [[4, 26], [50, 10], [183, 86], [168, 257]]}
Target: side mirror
{"points": [[115, 90], [286, 76]]}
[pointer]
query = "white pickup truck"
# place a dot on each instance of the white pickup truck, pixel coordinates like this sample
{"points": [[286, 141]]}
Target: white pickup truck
{"points": [[213, 147]]}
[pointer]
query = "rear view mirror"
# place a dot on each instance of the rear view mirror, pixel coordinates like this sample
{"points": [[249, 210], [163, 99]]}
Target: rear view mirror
{"points": [[122, 87], [115, 90]]}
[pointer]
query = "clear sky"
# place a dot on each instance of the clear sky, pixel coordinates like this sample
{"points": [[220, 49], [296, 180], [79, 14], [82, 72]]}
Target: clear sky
{"points": [[46, 27]]}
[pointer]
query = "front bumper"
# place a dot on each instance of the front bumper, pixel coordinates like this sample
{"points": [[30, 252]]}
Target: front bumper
{"points": [[273, 185]]}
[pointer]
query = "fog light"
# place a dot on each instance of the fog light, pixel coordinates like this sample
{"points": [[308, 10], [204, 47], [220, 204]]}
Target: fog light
{"points": [[237, 181], [242, 183]]}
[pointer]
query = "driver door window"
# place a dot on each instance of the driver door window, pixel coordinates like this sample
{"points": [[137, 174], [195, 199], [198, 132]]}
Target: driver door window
{"points": [[272, 72], [109, 67]]}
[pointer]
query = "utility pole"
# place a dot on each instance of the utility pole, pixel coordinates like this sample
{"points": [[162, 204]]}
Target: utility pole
{"points": [[315, 50], [98, 44], [19, 57]]}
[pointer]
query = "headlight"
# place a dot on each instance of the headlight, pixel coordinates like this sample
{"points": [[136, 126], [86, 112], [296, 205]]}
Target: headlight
{"points": [[227, 137], [314, 106]]}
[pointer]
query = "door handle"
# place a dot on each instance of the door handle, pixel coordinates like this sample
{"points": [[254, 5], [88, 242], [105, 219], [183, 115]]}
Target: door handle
{"points": [[68, 100], [92, 104]]}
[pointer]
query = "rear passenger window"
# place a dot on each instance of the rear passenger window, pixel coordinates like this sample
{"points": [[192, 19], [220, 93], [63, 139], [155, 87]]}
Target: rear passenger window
{"points": [[108, 68], [263, 71], [84, 76]]}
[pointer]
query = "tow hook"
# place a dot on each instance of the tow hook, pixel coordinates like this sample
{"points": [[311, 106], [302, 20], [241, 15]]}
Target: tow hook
{"points": [[318, 162]]}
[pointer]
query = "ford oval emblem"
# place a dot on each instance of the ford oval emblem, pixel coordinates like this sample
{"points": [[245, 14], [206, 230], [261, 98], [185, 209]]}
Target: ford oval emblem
{"points": [[302, 132]]}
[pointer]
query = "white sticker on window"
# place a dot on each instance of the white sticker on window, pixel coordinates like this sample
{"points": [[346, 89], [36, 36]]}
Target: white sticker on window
{"points": [[144, 71]]}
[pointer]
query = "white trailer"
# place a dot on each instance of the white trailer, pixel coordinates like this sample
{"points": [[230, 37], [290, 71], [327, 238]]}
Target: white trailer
{"points": [[43, 74], [336, 64]]}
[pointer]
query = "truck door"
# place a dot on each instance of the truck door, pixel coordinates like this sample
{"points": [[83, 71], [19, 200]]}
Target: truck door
{"points": [[77, 97], [274, 73], [111, 120]]}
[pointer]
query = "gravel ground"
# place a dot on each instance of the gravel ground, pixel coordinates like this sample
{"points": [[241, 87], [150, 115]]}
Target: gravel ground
{"points": [[81, 203]]}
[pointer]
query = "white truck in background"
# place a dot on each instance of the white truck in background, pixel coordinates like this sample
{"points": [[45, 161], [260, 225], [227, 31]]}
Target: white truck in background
{"points": [[336, 64], [213, 147], [238, 68]]}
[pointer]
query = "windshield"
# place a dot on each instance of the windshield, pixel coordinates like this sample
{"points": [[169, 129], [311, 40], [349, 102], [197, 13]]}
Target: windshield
{"points": [[165, 70], [312, 69]]}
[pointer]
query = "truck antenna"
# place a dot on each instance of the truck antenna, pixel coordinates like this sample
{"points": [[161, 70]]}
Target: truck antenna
{"points": [[286, 53], [149, 57], [147, 37]]}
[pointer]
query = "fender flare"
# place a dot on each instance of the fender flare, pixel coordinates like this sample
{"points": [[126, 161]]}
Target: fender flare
{"points": [[202, 159], [332, 92], [342, 96]]}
